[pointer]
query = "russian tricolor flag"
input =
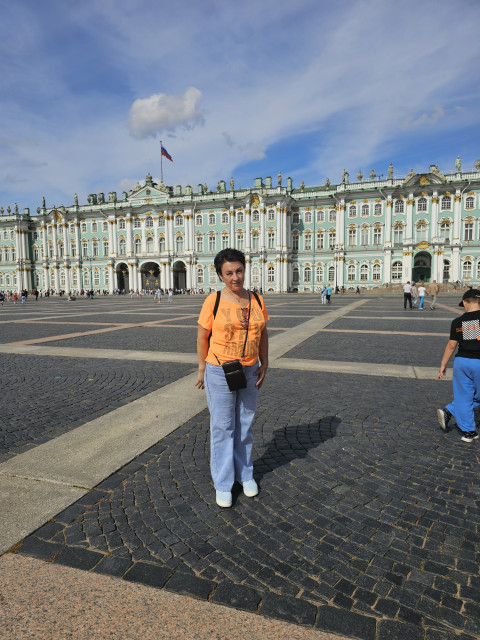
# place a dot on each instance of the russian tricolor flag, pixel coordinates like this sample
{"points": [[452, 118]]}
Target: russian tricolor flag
{"points": [[166, 154]]}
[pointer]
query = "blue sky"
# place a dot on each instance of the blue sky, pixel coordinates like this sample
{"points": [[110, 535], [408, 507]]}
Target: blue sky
{"points": [[242, 89]]}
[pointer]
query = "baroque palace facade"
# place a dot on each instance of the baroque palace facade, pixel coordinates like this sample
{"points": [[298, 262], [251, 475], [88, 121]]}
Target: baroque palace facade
{"points": [[368, 233]]}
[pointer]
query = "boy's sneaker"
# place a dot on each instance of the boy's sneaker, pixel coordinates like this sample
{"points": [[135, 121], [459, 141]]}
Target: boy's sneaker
{"points": [[469, 436], [444, 417]]}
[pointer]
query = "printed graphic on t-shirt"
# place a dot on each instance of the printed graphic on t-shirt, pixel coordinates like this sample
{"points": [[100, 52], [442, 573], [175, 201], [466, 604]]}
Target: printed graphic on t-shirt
{"points": [[471, 330]]}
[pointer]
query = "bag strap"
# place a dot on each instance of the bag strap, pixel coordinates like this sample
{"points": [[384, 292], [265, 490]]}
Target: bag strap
{"points": [[257, 298]]}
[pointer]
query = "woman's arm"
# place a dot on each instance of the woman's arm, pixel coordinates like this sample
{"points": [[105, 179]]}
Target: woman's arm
{"points": [[263, 355], [449, 349], [202, 351]]}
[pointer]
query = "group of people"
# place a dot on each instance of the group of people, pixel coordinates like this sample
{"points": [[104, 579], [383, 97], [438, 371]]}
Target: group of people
{"points": [[414, 294]]}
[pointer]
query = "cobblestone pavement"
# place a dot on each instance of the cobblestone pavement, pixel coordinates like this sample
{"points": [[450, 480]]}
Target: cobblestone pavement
{"points": [[368, 519]]}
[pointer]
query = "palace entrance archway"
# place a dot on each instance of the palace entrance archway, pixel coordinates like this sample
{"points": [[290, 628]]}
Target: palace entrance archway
{"points": [[422, 267], [122, 277], [179, 275], [150, 272]]}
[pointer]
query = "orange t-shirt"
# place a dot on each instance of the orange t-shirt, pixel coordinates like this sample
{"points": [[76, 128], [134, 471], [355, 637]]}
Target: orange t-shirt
{"points": [[228, 335]]}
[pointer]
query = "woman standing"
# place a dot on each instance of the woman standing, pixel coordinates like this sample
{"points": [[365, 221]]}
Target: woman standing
{"points": [[232, 327]]}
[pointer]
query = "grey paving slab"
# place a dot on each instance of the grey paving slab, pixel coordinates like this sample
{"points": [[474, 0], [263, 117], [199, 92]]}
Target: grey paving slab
{"points": [[17, 331], [367, 512], [422, 325], [374, 348]]}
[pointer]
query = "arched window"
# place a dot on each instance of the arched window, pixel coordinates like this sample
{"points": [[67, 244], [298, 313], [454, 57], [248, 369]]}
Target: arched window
{"points": [[212, 244], [331, 273], [179, 243], [254, 240], [446, 203], [378, 209], [73, 248], [122, 246], [352, 237], [84, 248], [307, 274], [149, 221], [211, 218], [271, 274], [308, 217], [398, 234], [467, 269], [319, 273], [295, 241], [445, 231], [149, 244], [62, 278], [161, 244], [225, 217], [96, 277], [137, 223], [256, 216], [364, 272], [72, 228], [161, 221], [296, 218], [94, 247], [295, 274], [446, 270], [198, 220], [199, 243], [469, 202], [121, 223], [307, 242], [94, 227], [138, 245], [364, 236], [225, 240], [421, 231], [397, 271], [240, 240], [422, 204], [365, 211], [106, 277], [179, 220], [271, 239], [351, 272], [200, 275], [399, 206], [104, 226], [377, 235], [255, 274], [239, 217], [320, 239], [332, 238], [74, 278], [212, 276], [352, 211], [271, 215], [320, 215], [376, 272]]}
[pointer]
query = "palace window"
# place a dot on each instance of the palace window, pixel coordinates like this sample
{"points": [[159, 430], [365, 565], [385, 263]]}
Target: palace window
{"points": [[161, 244], [94, 227], [225, 241], [14, 254], [138, 245], [332, 215], [96, 278], [84, 249], [256, 216], [296, 218], [446, 270], [377, 235], [200, 275], [74, 278], [469, 202], [72, 228], [332, 237], [239, 217], [397, 271], [351, 272], [106, 277], [445, 232], [364, 236], [255, 241], [149, 221], [271, 239], [399, 206], [211, 218], [307, 274], [86, 278], [271, 215], [35, 253], [212, 278], [62, 279], [319, 273], [352, 237], [365, 211], [308, 217], [352, 211], [199, 244], [295, 242], [468, 232], [467, 269], [240, 241], [212, 244], [320, 215], [105, 248], [95, 248], [83, 227], [122, 225], [295, 275], [331, 273], [421, 205], [137, 223], [320, 239], [398, 235], [307, 242], [378, 209], [446, 203], [73, 249], [60, 250], [161, 221], [104, 226], [179, 244], [364, 272], [179, 220], [149, 244], [225, 217], [421, 232], [198, 220], [376, 273], [271, 274], [122, 246], [255, 274]]}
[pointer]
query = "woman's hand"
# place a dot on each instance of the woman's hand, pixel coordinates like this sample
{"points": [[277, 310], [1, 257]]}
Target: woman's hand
{"points": [[200, 383], [260, 372]]}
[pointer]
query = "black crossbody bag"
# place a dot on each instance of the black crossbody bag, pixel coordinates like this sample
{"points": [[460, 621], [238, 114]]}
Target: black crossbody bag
{"points": [[233, 369]]}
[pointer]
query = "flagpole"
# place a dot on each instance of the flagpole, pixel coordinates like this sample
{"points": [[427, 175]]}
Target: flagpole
{"points": [[161, 163]]}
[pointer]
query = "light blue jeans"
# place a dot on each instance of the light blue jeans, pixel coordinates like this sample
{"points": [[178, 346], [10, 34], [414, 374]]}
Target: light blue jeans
{"points": [[466, 392], [231, 419], [421, 298]]}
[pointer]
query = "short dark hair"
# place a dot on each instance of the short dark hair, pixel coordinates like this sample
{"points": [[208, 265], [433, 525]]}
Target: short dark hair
{"points": [[228, 255]]}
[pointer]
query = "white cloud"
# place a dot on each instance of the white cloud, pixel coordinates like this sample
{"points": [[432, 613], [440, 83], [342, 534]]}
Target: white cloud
{"points": [[425, 118], [162, 112]]}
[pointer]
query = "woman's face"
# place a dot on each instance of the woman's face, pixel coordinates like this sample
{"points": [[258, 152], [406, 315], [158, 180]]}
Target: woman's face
{"points": [[233, 275]]}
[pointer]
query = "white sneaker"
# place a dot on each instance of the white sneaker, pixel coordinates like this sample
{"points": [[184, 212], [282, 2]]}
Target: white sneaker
{"points": [[250, 488], [224, 498]]}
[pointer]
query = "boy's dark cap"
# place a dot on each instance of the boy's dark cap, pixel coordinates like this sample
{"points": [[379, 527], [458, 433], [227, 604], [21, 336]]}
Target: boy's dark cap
{"points": [[471, 293]]}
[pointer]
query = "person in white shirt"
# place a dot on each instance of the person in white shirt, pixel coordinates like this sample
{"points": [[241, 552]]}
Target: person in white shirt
{"points": [[421, 294], [414, 294], [407, 295]]}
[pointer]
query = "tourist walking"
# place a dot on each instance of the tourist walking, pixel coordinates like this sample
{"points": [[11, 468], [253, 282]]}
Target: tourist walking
{"points": [[329, 293], [414, 295], [232, 337], [407, 295], [324, 295], [433, 291], [464, 333], [170, 295], [421, 295]]}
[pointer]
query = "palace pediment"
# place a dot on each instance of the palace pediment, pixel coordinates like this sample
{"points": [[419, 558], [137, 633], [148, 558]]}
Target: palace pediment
{"points": [[149, 193], [423, 179]]}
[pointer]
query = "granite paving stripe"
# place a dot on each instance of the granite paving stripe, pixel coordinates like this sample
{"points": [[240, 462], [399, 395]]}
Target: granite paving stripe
{"points": [[393, 333], [366, 513], [359, 368]]}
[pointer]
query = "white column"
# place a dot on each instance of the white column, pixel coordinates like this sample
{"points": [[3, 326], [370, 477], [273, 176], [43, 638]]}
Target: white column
{"points": [[435, 231], [66, 246], [129, 234], [263, 239], [132, 275], [232, 226], [46, 278], [340, 225], [111, 278], [248, 228], [457, 218], [248, 271], [455, 264], [113, 246], [55, 244], [388, 227], [77, 241], [57, 278], [410, 233]]}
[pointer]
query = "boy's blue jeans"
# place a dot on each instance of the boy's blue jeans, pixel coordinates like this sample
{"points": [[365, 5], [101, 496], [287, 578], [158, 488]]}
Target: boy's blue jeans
{"points": [[231, 418], [466, 392]]}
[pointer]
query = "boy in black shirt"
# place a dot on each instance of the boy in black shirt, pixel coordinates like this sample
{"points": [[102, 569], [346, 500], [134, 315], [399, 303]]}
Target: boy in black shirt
{"points": [[464, 332]]}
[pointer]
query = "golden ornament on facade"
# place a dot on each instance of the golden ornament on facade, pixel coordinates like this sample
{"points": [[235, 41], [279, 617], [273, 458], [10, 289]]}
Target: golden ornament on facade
{"points": [[410, 202], [458, 198], [435, 200], [389, 203], [254, 200], [422, 245], [424, 180]]}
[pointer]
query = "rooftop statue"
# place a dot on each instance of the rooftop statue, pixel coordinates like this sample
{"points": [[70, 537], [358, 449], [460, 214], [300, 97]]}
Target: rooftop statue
{"points": [[359, 175], [477, 165], [327, 182], [458, 164], [75, 199], [43, 202], [302, 185], [373, 175], [232, 184], [279, 179], [16, 207], [345, 177], [390, 171]]}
